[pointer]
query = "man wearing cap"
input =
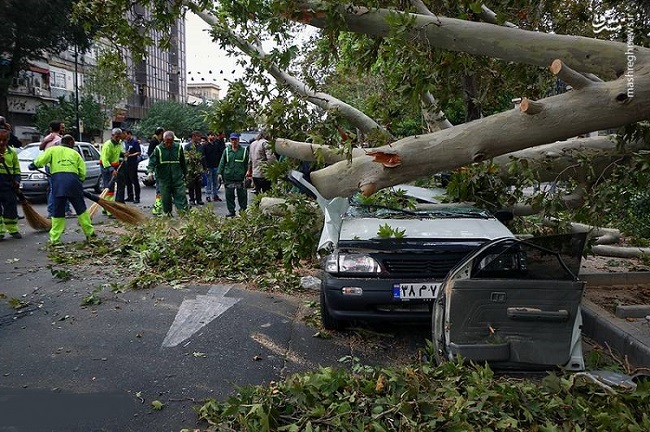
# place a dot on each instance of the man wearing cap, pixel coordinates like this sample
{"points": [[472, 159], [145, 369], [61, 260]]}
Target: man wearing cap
{"points": [[111, 159], [68, 171], [233, 168]]}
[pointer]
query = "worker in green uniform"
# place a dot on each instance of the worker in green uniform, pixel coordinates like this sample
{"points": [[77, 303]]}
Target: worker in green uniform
{"points": [[68, 171], [233, 168], [168, 163]]}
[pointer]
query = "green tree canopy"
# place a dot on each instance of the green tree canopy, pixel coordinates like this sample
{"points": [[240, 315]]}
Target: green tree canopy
{"points": [[175, 116], [90, 113], [32, 28]]}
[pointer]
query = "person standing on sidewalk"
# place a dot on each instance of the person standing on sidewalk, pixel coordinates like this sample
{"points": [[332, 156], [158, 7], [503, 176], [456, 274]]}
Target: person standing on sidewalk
{"points": [[168, 163], [233, 169], [9, 181], [195, 168], [68, 171], [213, 150]]}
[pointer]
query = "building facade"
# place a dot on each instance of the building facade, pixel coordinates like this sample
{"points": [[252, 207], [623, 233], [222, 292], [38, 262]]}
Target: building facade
{"points": [[158, 77]]}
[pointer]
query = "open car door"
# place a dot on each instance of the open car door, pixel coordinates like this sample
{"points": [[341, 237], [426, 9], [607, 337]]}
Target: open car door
{"points": [[515, 304]]}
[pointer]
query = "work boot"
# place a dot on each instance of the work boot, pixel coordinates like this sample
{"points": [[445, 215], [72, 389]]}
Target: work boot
{"points": [[86, 225], [58, 226], [156, 210]]}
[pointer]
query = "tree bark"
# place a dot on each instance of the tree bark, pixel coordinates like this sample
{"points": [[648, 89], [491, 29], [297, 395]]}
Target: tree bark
{"points": [[603, 58], [598, 106], [561, 160]]}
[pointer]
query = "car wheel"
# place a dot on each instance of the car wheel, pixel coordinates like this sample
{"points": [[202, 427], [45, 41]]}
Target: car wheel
{"points": [[329, 322]]}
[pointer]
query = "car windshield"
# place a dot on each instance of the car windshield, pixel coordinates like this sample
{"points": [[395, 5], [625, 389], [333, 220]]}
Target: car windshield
{"points": [[428, 211], [29, 153]]}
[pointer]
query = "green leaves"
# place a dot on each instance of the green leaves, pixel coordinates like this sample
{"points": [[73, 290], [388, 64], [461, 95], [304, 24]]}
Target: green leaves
{"points": [[452, 396], [386, 231]]}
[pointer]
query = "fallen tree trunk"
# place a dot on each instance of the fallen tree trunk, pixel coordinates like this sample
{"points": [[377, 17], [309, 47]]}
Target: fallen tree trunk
{"points": [[600, 57], [562, 160], [594, 107], [620, 251]]}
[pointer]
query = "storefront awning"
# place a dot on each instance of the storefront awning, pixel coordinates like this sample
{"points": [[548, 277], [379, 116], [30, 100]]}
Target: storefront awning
{"points": [[38, 69]]}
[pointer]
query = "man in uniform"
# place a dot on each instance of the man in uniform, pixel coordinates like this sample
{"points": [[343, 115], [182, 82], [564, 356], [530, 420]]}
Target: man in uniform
{"points": [[153, 143], [168, 163], [68, 171], [111, 159], [9, 181], [233, 168]]}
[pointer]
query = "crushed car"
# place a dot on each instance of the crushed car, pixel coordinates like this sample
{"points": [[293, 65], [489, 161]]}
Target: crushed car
{"points": [[488, 295]]}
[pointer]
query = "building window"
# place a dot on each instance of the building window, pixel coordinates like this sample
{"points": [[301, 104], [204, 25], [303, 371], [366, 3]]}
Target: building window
{"points": [[58, 79]]}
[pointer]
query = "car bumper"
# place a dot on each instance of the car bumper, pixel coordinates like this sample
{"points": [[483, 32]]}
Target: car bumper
{"points": [[34, 188], [376, 303]]}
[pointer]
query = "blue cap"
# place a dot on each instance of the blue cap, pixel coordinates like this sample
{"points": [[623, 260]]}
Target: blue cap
{"points": [[234, 135]]}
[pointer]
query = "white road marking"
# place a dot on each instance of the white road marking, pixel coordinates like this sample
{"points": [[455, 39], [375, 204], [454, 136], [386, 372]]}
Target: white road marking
{"points": [[280, 351], [194, 314]]}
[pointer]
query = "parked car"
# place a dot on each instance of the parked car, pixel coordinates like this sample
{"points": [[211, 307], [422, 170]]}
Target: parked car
{"points": [[367, 276], [247, 137], [34, 183]]}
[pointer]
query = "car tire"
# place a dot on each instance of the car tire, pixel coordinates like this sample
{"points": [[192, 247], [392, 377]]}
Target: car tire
{"points": [[328, 321]]}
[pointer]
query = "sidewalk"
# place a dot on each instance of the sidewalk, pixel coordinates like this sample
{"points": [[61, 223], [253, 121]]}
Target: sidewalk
{"points": [[629, 337]]}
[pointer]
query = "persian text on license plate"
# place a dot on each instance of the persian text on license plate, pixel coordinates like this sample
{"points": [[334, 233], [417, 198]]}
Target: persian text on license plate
{"points": [[408, 291]]}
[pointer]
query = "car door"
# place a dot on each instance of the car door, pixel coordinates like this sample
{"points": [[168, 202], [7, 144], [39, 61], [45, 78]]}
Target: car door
{"points": [[514, 303], [90, 156]]}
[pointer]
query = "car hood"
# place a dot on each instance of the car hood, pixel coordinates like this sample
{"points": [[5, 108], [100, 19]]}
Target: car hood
{"points": [[443, 228], [337, 227]]}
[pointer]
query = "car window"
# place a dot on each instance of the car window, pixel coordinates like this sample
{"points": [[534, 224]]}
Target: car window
{"points": [[542, 258], [88, 153], [29, 153]]}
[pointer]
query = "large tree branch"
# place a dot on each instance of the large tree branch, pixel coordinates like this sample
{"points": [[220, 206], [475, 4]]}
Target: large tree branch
{"points": [[603, 58], [595, 107], [323, 100]]}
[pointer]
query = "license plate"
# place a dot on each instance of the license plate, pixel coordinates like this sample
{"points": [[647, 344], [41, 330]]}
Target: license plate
{"points": [[413, 291]]}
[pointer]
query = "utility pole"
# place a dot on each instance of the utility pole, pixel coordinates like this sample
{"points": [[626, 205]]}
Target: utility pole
{"points": [[76, 90]]}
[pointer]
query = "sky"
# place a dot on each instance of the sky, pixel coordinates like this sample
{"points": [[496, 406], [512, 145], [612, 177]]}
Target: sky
{"points": [[204, 55]]}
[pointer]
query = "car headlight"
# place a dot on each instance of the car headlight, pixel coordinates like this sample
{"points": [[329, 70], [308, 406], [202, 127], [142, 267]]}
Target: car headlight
{"points": [[351, 263], [37, 176]]}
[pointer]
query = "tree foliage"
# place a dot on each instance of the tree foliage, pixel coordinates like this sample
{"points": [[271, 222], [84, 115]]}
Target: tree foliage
{"points": [[175, 116], [64, 110], [107, 81], [32, 29]]}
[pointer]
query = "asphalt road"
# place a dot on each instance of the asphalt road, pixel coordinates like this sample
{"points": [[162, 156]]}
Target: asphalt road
{"points": [[68, 367]]}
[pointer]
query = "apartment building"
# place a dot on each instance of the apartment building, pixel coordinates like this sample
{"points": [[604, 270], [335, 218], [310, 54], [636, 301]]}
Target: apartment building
{"points": [[158, 77]]}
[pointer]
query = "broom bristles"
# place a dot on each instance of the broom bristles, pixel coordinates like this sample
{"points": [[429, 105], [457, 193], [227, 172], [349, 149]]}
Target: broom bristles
{"points": [[122, 212], [34, 218]]}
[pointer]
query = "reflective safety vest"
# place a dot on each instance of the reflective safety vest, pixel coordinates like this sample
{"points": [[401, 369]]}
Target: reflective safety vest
{"points": [[162, 161]]}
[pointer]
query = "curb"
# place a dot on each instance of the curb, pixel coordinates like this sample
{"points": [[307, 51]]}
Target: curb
{"points": [[629, 339], [622, 337], [608, 279]]}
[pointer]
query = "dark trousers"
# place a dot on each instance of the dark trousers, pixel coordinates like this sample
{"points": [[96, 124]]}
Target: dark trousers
{"points": [[133, 185], [261, 184], [194, 186], [121, 183]]}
